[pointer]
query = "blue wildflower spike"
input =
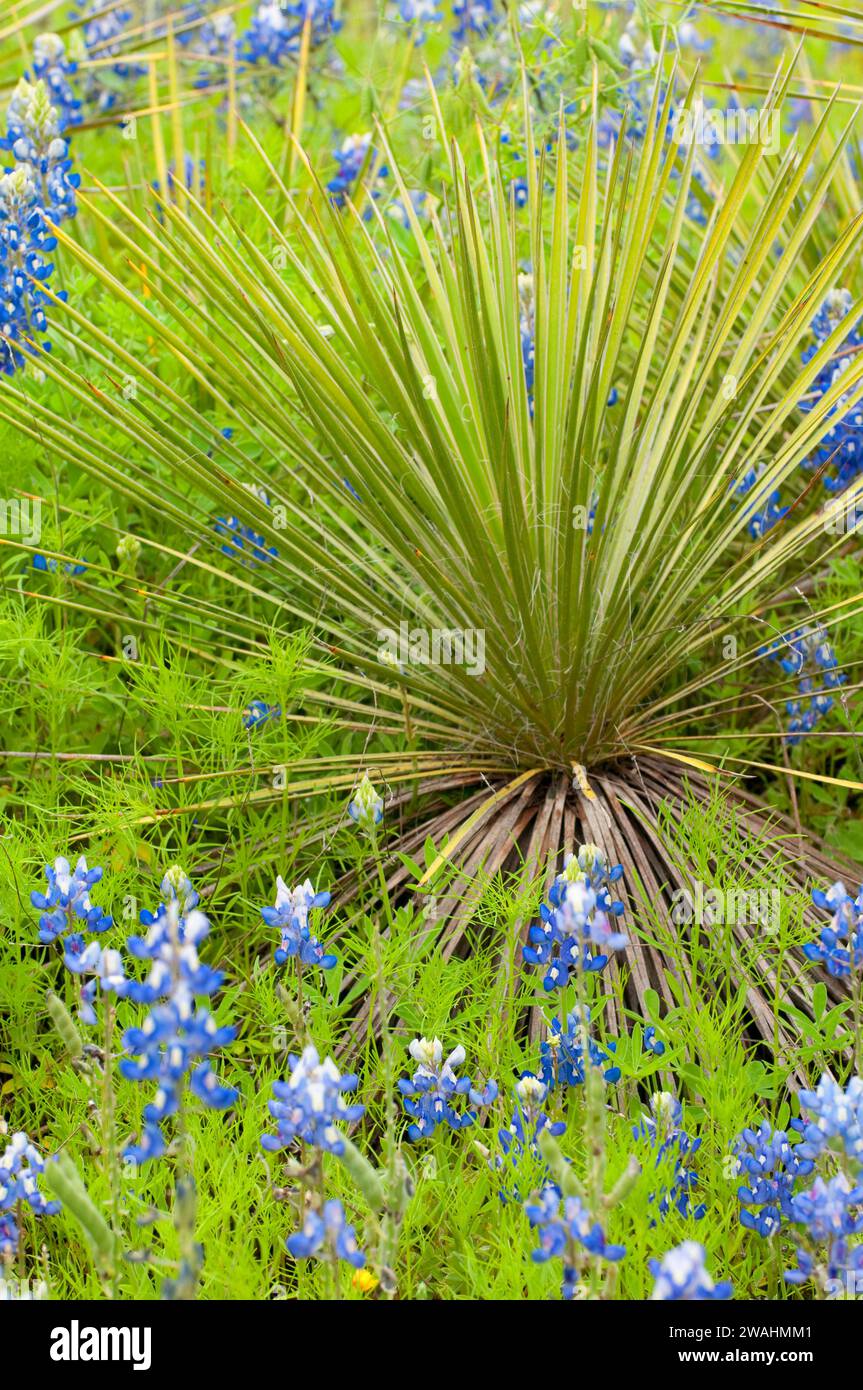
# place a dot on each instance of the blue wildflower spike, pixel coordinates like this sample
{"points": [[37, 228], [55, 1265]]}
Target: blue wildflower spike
{"points": [[432, 1095], [418, 15], [310, 1103], [103, 966], [770, 1167], [521, 1138], [826, 1216], [66, 904], [806, 654], [178, 1036], [327, 1228], [366, 807], [21, 1166], [662, 1128], [833, 1118], [681, 1276], [840, 945], [840, 452], [257, 712], [579, 915], [241, 541], [562, 1059], [474, 18], [354, 153], [291, 914], [561, 1222], [275, 33]]}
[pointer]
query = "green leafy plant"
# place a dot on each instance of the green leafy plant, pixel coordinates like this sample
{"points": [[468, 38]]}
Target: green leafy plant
{"points": [[388, 450]]}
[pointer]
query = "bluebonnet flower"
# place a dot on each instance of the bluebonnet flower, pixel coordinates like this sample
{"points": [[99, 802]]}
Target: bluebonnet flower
{"points": [[610, 123], [354, 154], [651, 1043], [291, 914], [9, 1235], [397, 212], [310, 1103], [418, 15], [474, 17], [105, 29], [103, 966], [834, 309], [171, 945], [830, 1209], [688, 35], [327, 1228], [271, 36], [176, 886], [565, 1230], [47, 563], [682, 1275], [39, 187], [634, 49], [840, 945], [258, 712], [562, 1059], [34, 135], [217, 37], [528, 1121], [833, 1119], [21, 1166], [590, 860], [577, 917], [178, 1037], [806, 654], [199, 26], [522, 1135], [797, 111], [244, 542], [764, 514], [827, 1215], [51, 66], [770, 1166], [366, 808], [663, 1130], [527, 329], [275, 33], [841, 449], [431, 1095], [67, 900], [24, 243]]}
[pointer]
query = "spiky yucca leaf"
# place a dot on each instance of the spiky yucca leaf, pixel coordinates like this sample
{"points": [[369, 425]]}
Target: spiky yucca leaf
{"points": [[814, 19], [434, 492]]}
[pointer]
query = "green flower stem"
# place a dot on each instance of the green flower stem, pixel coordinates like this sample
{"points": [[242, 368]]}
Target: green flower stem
{"points": [[109, 1136]]}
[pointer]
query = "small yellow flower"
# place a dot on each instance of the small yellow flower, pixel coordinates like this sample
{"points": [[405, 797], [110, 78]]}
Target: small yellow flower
{"points": [[364, 1281]]}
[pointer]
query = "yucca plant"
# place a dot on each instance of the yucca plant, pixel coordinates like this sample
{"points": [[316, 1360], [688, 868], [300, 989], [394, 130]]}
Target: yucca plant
{"points": [[585, 528], [839, 23]]}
